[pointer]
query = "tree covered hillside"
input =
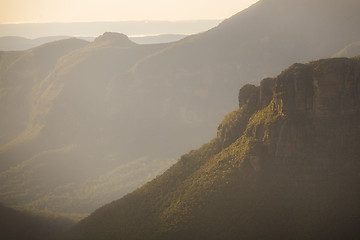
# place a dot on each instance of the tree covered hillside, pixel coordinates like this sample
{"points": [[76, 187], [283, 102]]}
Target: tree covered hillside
{"points": [[284, 165]]}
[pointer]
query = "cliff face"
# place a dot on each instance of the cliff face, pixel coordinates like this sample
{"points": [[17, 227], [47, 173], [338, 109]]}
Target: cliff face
{"points": [[320, 111], [285, 165]]}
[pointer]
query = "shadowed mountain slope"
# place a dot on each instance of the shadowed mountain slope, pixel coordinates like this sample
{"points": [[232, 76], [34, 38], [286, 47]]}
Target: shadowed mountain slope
{"points": [[285, 165], [20, 73], [78, 117], [65, 134], [20, 225]]}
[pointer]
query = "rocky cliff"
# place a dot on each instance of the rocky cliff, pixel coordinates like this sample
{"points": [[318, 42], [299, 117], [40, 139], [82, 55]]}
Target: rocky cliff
{"points": [[319, 108]]}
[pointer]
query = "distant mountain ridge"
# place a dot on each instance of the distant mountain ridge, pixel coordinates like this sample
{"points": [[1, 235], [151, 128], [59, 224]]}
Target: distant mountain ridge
{"points": [[114, 39], [20, 44], [12, 43], [130, 28], [283, 165]]}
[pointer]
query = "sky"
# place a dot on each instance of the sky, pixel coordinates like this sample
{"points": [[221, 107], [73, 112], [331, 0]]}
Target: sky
{"points": [[35, 11]]}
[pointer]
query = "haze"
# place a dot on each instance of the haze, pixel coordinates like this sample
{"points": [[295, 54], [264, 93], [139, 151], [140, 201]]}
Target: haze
{"points": [[21, 11], [227, 133]]}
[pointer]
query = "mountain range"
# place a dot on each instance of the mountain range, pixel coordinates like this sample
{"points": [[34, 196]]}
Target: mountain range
{"points": [[87, 122], [20, 43], [85, 29]]}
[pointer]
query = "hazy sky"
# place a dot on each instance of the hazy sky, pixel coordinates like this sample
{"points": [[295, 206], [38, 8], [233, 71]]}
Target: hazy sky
{"points": [[20, 11]]}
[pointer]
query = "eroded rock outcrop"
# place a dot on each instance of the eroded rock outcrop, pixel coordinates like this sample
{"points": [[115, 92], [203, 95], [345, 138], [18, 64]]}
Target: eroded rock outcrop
{"points": [[319, 105]]}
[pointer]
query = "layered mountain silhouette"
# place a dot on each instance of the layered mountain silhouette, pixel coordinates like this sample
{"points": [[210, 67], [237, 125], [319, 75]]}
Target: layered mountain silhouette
{"points": [[131, 28], [284, 165], [12, 43], [20, 43], [85, 123]]}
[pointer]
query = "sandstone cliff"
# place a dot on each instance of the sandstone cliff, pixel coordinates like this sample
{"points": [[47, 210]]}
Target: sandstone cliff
{"points": [[319, 111]]}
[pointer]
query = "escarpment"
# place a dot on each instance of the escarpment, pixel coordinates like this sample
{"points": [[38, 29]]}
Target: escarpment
{"points": [[284, 165]]}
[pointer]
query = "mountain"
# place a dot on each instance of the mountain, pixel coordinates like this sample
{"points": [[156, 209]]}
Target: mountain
{"points": [[18, 225], [88, 124], [284, 165], [21, 72], [54, 142], [130, 28], [12, 43]]}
